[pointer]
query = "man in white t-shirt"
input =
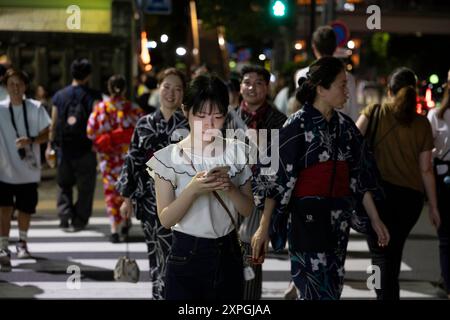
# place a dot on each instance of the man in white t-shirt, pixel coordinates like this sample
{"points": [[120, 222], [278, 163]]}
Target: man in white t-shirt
{"points": [[323, 45], [24, 125]]}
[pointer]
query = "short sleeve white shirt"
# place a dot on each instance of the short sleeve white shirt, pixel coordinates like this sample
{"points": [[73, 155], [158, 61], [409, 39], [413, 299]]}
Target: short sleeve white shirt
{"points": [[13, 169], [206, 217], [441, 133]]}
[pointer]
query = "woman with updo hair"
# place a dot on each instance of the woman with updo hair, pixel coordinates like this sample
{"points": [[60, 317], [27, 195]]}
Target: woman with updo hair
{"points": [[110, 127], [402, 145], [324, 168]]}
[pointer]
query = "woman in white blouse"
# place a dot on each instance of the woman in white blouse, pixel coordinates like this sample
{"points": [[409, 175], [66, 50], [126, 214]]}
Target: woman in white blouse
{"points": [[440, 123], [202, 208]]}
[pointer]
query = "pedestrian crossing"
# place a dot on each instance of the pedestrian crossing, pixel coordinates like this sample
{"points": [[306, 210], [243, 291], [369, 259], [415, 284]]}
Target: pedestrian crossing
{"points": [[52, 273]]}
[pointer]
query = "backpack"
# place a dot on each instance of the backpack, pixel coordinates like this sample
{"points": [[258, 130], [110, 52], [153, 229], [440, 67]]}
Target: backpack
{"points": [[72, 123]]}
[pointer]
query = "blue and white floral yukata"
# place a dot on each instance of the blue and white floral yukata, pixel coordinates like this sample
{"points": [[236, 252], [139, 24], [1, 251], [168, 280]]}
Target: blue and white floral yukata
{"points": [[308, 140]]}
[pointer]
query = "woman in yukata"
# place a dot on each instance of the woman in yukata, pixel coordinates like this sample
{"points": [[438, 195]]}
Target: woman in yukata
{"points": [[110, 127], [324, 167], [201, 184], [153, 132]]}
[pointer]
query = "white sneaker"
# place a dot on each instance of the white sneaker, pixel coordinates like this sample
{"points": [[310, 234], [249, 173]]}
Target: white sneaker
{"points": [[22, 250]]}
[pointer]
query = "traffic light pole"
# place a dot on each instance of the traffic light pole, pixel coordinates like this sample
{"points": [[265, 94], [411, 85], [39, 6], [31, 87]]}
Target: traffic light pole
{"points": [[329, 12]]}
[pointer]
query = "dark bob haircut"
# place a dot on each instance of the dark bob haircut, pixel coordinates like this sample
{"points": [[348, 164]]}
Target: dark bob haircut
{"points": [[206, 88]]}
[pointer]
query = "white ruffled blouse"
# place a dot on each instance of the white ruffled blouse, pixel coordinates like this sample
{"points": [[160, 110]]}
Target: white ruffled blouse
{"points": [[206, 217]]}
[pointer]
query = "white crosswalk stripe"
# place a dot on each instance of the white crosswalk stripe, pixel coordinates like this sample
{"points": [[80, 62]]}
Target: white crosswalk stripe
{"points": [[45, 276]]}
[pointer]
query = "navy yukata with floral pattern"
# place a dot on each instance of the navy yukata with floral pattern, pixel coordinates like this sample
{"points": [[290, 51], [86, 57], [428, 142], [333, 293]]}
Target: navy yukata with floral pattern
{"points": [[307, 139]]}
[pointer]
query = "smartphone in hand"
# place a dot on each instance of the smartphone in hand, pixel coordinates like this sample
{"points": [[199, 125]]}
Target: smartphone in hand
{"points": [[218, 170]]}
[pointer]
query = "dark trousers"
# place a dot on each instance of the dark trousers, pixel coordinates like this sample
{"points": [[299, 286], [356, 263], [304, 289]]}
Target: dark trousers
{"points": [[443, 195], [204, 269], [399, 212], [80, 172]]}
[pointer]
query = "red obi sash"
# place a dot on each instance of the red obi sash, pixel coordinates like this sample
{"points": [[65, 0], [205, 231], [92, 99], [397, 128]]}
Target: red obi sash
{"points": [[108, 142], [315, 180]]}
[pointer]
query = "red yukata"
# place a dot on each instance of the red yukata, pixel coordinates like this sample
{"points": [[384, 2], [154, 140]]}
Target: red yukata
{"points": [[110, 127]]}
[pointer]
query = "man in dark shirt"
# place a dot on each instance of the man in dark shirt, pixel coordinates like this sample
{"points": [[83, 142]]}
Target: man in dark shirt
{"points": [[77, 162]]}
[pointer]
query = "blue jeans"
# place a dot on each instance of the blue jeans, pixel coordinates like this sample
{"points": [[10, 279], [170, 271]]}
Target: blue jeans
{"points": [[204, 269]]}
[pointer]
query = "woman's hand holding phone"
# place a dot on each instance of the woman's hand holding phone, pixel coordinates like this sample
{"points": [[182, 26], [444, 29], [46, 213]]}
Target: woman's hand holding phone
{"points": [[221, 174], [201, 183]]}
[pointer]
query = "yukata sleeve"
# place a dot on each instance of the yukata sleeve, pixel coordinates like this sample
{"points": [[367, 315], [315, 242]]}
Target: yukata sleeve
{"points": [[277, 182], [129, 182], [364, 177], [364, 174], [96, 122]]}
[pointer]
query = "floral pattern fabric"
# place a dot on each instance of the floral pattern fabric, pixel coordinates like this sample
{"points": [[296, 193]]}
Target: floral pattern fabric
{"points": [[307, 139], [108, 116]]}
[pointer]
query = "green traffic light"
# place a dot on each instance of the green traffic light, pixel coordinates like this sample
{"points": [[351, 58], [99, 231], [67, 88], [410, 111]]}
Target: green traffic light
{"points": [[279, 8]]}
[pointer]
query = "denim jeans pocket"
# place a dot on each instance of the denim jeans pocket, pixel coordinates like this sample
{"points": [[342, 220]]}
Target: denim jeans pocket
{"points": [[178, 260], [180, 254]]}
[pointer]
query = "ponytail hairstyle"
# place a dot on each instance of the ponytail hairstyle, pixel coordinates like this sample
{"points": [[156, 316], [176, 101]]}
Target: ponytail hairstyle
{"points": [[117, 85], [402, 84], [322, 72], [445, 101]]}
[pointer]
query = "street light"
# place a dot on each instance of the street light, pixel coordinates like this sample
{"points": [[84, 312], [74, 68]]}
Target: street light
{"points": [[180, 51], [221, 40], [351, 44], [151, 44], [434, 79], [164, 38]]}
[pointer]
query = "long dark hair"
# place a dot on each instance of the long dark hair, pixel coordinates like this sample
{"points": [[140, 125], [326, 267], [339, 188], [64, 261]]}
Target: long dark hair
{"points": [[402, 84], [445, 102], [322, 72]]}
